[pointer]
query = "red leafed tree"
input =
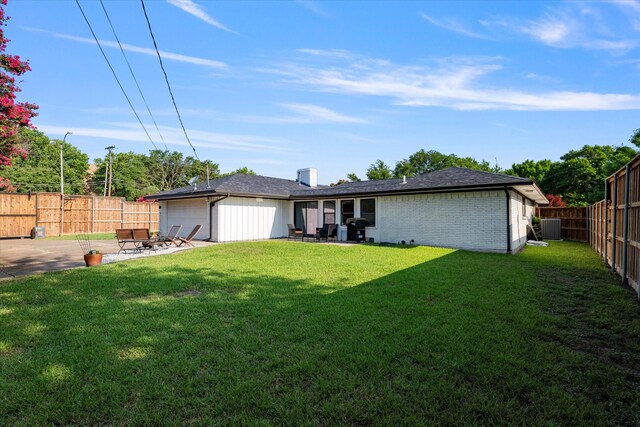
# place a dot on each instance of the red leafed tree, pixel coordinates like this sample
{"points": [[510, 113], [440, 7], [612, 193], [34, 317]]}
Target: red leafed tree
{"points": [[13, 114], [555, 201]]}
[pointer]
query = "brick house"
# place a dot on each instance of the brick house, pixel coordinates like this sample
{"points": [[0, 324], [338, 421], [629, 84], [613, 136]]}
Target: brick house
{"points": [[455, 207]]}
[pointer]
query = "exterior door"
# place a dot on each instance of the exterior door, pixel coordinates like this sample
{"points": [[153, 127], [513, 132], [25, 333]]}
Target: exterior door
{"points": [[305, 216]]}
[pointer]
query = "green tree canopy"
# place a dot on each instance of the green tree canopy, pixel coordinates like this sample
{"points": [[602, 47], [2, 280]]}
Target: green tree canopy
{"points": [[353, 177], [423, 161], [40, 170], [579, 176], [379, 170], [130, 176], [534, 170], [635, 138]]}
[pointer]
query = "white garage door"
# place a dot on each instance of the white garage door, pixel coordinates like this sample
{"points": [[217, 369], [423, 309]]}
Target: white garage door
{"points": [[188, 213]]}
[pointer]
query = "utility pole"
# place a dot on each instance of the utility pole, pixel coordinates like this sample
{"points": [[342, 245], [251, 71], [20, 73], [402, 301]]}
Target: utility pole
{"points": [[108, 171], [61, 146]]}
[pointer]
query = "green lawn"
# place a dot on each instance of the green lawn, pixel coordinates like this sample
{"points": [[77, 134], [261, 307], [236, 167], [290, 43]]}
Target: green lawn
{"points": [[288, 333]]}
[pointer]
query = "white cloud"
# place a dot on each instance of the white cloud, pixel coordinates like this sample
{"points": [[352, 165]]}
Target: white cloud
{"points": [[137, 49], [132, 132], [194, 9], [305, 114], [552, 31], [453, 25], [452, 83], [313, 6], [590, 26]]}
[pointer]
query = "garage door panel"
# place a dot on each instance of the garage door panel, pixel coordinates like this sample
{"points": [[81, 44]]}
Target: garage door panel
{"points": [[189, 213]]}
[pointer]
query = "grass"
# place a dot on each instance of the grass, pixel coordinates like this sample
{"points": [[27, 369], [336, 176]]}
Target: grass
{"points": [[94, 236], [288, 333]]}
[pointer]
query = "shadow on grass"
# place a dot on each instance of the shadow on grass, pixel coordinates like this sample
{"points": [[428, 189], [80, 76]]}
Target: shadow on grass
{"points": [[463, 338]]}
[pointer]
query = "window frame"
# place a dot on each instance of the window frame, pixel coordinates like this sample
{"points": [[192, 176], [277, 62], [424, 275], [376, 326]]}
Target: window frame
{"points": [[325, 213], [363, 213], [343, 220]]}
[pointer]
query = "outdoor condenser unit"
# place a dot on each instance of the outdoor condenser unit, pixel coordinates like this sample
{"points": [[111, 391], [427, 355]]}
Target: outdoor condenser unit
{"points": [[37, 232], [551, 228]]}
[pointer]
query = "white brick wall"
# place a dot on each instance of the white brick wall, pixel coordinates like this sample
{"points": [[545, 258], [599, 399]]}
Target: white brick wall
{"points": [[465, 220]]}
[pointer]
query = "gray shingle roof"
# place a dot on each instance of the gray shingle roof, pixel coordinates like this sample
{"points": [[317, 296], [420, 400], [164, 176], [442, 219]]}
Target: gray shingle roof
{"points": [[256, 185], [451, 178]]}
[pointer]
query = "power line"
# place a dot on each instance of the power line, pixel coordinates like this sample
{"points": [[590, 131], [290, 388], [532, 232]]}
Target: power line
{"points": [[114, 74], [133, 74], [166, 79]]}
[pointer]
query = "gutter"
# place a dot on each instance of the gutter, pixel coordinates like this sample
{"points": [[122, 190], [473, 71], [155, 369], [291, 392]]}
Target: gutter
{"points": [[506, 192]]}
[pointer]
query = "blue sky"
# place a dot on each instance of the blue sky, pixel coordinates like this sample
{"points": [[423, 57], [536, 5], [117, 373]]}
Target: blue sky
{"points": [[278, 86]]}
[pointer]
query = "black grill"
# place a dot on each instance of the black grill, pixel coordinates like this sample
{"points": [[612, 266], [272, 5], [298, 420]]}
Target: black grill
{"points": [[356, 229]]}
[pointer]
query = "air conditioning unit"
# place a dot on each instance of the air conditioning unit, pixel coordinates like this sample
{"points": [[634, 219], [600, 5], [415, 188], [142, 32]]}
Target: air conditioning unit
{"points": [[551, 228]]}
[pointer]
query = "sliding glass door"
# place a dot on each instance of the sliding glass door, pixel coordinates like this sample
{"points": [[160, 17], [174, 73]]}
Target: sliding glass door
{"points": [[305, 216]]}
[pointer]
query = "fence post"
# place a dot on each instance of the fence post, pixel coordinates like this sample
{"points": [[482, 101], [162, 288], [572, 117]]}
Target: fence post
{"points": [[605, 232], [122, 213], [93, 214], [625, 225], [149, 210], [36, 209], [613, 223]]}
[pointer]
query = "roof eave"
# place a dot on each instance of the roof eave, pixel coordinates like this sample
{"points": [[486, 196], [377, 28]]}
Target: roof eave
{"points": [[470, 187]]}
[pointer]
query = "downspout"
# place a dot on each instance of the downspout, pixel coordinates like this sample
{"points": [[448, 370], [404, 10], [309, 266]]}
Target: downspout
{"points": [[211, 204], [506, 192]]}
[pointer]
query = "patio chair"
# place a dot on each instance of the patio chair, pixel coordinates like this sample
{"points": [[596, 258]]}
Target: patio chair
{"points": [[171, 237], [295, 232], [328, 231], [187, 240], [143, 238], [125, 237]]}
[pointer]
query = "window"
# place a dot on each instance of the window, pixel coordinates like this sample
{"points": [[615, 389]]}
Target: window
{"points": [[346, 210], [368, 211], [524, 207], [329, 213]]}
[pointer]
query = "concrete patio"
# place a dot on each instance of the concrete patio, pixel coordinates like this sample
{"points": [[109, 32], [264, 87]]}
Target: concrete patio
{"points": [[22, 257]]}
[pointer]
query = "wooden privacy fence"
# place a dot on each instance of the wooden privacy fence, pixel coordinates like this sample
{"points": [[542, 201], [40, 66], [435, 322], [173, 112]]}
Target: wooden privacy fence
{"points": [[573, 222], [614, 224], [20, 212]]}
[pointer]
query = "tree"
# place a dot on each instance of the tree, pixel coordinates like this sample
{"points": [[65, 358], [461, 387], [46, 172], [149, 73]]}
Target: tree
{"points": [[167, 169], [13, 115], [353, 177], [39, 170], [579, 176], [196, 168], [635, 138], [130, 176], [379, 170], [530, 169], [555, 201], [242, 171], [423, 161]]}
